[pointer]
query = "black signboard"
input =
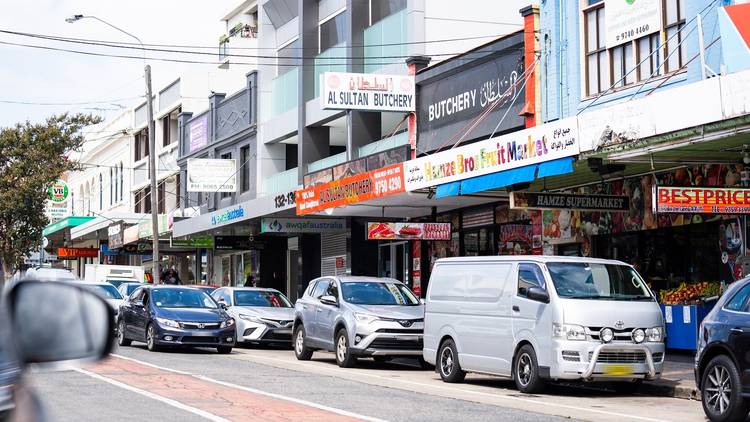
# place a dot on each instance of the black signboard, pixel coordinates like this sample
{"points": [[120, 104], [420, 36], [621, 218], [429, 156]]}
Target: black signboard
{"points": [[448, 105], [546, 200], [242, 243]]}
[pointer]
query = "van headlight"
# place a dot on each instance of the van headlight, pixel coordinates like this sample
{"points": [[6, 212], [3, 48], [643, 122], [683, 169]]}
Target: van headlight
{"points": [[568, 331], [654, 335], [639, 335]]}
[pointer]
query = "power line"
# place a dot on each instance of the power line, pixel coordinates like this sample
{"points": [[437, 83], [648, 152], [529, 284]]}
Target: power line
{"points": [[214, 47], [112, 102]]}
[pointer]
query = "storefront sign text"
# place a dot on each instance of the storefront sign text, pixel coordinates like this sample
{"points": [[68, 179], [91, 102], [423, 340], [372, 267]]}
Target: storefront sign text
{"points": [[626, 20], [72, 253], [412, 231], [701, 200], [544, 200], [242, 243], [193, 242], [198, 133], [363, 91], [211, 175], [530, 146], [302, 225], [350, 190], [228, 215]]}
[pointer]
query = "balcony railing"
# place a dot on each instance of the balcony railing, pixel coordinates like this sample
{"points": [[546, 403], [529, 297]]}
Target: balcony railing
{"points": [[387, 39], [384, 144], [326, 162], [285, 91], [331, 60], [281, 182]]}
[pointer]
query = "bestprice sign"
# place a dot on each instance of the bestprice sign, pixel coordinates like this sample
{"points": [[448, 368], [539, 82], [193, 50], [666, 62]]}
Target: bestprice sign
{"points": [[689, 200]]}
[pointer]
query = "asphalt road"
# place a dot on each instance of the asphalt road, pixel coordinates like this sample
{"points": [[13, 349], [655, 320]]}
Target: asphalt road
{"points": [[270, 385]]}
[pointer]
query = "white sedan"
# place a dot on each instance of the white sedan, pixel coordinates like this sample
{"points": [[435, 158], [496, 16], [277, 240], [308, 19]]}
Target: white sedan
{"points": [[262, 315]]}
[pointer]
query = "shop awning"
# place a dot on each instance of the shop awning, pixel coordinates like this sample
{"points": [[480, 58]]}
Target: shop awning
{"points": [[70, 221], [105, 221], [505, 178]]}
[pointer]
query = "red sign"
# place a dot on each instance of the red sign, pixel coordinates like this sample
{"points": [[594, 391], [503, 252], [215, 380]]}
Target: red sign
{"points": [[691, 199], [340, 263], [350, 190], [414, 231], [77, 253]]}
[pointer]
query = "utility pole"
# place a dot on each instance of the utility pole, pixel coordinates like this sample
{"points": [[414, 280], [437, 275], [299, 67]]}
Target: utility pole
{"points": [[152, 175]]}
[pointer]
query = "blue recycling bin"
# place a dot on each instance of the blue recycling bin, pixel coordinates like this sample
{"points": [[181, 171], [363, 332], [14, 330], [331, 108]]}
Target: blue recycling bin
{"points": [[682, 323]]}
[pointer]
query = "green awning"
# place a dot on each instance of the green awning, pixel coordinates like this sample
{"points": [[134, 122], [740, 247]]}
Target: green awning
{"points": [[70, 221]]}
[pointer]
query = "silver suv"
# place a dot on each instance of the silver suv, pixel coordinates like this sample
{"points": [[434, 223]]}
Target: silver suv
{"points": [[358, 317]]}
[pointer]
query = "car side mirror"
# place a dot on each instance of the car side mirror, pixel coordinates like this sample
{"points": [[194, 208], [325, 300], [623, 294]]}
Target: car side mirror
{"points": [[537, 294], [73, 323], [223, 305], [329, 300]]}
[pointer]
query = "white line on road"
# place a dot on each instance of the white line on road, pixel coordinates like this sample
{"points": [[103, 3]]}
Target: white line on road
{"points": [[455, 389], [173, 403], [260, 392]]}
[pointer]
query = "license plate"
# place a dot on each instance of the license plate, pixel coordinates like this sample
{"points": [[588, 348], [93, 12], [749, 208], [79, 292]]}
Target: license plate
{"points": [[618, 370], [408, 338]]}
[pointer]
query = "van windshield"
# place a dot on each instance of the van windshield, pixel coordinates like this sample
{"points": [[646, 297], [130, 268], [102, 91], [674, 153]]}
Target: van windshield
{"points": [[583, 280]]}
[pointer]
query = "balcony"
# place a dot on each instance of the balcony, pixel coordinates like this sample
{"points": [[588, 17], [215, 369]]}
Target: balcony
{"points": [[331, 60], [285, 91], [281, 182], [326, 162], [391, 30], [384, 144]]}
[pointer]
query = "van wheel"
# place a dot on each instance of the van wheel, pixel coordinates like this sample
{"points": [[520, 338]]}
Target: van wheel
{"points": [[447, 362], [722, 391], [526, 371], [301, 351], [344, 357]]}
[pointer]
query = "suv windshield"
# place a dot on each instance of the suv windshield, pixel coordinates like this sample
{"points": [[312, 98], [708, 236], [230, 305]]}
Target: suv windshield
{"points": [[583, 280], [373, 293], [109, 291], [262, 298], [182, 298]]}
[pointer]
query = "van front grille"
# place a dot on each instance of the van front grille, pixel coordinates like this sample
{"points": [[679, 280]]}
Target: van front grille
{"points": [[620, 357]]}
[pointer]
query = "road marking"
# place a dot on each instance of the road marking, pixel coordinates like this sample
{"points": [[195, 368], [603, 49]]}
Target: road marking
{"points": [[470, 392], [173, 403], [252, 390]]}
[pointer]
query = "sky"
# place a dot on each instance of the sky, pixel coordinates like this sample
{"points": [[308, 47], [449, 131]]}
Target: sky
{"points": [[41, 76]]}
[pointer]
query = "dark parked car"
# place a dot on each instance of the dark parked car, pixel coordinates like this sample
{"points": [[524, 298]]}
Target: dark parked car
{"points": [[174, 316], [722, 364]]}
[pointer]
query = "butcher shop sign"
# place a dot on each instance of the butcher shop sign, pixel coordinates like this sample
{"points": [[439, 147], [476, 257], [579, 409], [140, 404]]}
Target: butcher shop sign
{"points": [[408, 231]]}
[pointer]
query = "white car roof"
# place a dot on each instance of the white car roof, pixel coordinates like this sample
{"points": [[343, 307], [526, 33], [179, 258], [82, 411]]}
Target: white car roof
{"points": [[533, 258]]}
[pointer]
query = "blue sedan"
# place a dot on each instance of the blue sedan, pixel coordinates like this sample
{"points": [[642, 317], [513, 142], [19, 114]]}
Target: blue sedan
{"points": [[174, 316]]}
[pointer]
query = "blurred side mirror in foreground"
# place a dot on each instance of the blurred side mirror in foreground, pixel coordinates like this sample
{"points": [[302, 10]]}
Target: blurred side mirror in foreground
{"points": [[59, 322]]}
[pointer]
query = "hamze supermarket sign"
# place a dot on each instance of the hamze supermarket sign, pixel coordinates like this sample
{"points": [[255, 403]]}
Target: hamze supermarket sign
{"points": [[692, 199]]}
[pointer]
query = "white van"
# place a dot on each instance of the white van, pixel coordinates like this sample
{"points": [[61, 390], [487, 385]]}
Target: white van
{"points": [[538, 318]]}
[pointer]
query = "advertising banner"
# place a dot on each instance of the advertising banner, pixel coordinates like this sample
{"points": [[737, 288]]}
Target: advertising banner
{"points": [[546, 200], [370, 162], [244, 243], [366, 91], [361, 187], [302, 225], [696, 199], [115, 236], [130, 235], [72, 253], [198, 133], [193, 242], [211, 175], [450, 104], [535, 145], [410, 231], [626, 20], [145, 228]]}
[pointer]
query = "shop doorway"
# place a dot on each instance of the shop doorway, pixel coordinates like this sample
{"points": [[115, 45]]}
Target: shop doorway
{"points": [[393, 261]]}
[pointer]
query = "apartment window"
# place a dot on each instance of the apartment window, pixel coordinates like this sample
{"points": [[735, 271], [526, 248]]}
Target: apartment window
{"points": [[101, 192], [160, 198], [141, 145], [381, 9], [121, 182], [165, 131], [674, 22], [177, 192], [227, 156], [286, 57], [597, 67], [111, 187], [147, 200], [332, 32], [623, 65], [649, 56], [245, 174]]}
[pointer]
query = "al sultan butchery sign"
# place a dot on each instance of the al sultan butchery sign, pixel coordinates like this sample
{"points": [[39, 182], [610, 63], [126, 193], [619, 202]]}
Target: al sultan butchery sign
{"points": [[529, 146], [694, 200], [366, 91]]}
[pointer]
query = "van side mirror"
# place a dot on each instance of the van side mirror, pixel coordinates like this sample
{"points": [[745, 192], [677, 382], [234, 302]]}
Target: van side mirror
{"points": [[329, 300], [58, 322], [537, 294]]}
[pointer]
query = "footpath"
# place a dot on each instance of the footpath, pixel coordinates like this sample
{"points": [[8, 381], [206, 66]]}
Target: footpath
{"points": [[677, 380]]}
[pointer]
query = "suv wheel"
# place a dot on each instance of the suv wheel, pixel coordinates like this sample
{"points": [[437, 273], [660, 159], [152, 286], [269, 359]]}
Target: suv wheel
{"points": [[721, 395], [526, 371], [447, 363], [301, 351], [344, 357], [121, 339]]}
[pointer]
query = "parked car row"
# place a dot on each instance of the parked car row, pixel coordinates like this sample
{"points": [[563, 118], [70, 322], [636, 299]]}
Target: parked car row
{"points": [[532, 319]]}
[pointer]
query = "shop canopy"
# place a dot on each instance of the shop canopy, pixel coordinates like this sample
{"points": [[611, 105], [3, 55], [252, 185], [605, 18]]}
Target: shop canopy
{"points": [[102, 222], [505, 178], [67, 222]]}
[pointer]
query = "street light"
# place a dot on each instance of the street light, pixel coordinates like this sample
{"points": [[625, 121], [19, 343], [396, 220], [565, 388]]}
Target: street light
{"points": [[151, 140]]}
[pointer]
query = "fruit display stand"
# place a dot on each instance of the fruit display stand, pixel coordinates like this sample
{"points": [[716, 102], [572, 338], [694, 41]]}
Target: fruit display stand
{"points": [[683, 309]]}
